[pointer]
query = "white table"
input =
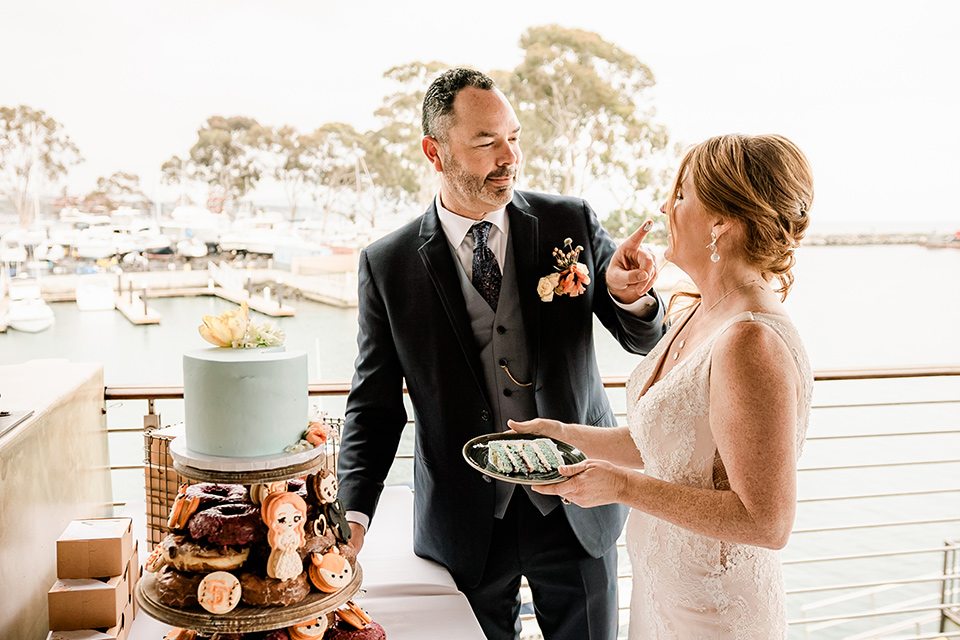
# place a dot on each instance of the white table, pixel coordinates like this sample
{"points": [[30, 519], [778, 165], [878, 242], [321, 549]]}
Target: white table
{"points": [[412, 598]]}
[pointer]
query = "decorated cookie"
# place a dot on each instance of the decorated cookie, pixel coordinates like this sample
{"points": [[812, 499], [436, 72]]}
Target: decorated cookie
{"points": [[354, 615], [323, 487], [260, 491], [330, 572], [155, 560], [180, 634], [183, 507], [311, 630], [285, 515], [219, 592]]}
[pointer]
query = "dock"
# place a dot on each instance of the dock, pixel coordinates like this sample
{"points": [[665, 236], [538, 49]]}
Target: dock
{"points": [[135, 309]]}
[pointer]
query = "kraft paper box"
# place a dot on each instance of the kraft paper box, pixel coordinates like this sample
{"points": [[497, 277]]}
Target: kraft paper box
{"points": [[95, 548], [119, 631], [86, 603]]}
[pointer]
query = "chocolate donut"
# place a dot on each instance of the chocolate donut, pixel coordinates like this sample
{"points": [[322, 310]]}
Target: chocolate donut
{"points": [[258, 591], [343, 631], [178, 589], [210, 494], [315, 543], [234, 524], [190, 556]]}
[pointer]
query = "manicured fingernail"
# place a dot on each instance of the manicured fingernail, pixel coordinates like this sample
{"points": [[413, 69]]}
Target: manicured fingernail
{"points": [[648, 225]]}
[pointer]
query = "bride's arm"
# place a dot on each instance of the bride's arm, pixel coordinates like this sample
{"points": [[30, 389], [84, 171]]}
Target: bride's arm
{"points": [[754, 391], [613, 444]]}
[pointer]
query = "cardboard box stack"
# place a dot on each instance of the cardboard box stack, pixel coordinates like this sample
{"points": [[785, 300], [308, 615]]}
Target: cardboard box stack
{"points": [[97, 570], [162, 481]]}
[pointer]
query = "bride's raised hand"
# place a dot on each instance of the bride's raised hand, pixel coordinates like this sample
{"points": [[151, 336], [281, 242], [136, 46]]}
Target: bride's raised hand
{"points": [[591, 483]]}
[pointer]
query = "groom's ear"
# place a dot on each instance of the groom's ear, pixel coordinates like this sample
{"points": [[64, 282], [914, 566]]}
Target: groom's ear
{"points": [[431, 149]]}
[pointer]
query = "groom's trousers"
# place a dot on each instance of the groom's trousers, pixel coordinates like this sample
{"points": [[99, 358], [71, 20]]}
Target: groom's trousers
{"points": [[574, 594]]}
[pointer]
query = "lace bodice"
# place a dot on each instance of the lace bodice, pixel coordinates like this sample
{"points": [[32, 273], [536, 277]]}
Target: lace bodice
{"points": [[688, 586]]}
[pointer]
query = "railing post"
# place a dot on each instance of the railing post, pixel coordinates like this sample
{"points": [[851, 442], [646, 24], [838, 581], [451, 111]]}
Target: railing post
{"points": [[151, 420]]}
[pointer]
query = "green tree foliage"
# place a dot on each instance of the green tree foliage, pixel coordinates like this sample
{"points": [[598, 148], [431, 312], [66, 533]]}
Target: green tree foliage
{"points": [[33, 146], [114, 191], [288, 154], [225, 157], [587, 119], [409, 176]]}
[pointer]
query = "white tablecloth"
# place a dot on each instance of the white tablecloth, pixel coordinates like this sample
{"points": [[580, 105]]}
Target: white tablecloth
{"points": [[412, 598]]}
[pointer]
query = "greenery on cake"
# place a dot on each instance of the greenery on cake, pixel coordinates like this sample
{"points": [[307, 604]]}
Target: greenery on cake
{"points": [[233, 329]]}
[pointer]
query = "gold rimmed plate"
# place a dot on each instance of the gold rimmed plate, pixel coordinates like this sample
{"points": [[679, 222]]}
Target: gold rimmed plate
{"points": [[476, 453]]}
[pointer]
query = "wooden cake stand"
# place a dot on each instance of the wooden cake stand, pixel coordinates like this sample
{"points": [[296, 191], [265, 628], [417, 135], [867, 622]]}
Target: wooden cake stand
{"points": [[245, 618]]}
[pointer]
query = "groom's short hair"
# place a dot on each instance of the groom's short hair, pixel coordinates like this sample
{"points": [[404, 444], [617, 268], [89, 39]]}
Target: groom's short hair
{"points": [[438, 100]]}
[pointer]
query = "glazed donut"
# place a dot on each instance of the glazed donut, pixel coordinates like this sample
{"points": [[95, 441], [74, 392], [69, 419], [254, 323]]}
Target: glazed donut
{"points": [[210, 494], [258, 591], [187, 555], [233, 524], [344, 631], [178, 589], [315, 543]]}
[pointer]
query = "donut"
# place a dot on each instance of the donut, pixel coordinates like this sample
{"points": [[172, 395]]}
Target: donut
{"points": [[209, 493], [176, 588], [233, 524], [342, 630], [316, 543], [276, 634], [188, 555], [258, 591]]}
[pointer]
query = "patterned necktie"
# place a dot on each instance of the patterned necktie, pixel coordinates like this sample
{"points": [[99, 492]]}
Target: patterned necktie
{"points": [[486, 271]]}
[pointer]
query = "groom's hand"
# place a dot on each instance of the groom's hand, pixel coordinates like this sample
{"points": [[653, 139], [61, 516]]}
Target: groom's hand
{"points": [[357, 532], [633, 268]]}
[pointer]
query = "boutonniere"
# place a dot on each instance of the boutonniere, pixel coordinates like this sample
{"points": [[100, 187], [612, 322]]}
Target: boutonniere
{"points": [[570, 278]]}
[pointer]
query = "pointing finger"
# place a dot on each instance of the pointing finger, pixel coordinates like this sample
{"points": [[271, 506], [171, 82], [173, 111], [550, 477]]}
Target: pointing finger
{"points": [[633, 242]]}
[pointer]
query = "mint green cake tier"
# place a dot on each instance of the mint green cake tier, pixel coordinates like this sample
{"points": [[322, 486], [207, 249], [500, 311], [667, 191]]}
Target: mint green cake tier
{"points": [[244, 403]]}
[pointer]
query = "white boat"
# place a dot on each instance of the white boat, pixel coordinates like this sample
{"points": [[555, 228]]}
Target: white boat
{"points": [[27, 311], [192, 248], [95, 292]]}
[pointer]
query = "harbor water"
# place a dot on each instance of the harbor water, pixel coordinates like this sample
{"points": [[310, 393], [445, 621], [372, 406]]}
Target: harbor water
{"points": [[855, 306]]}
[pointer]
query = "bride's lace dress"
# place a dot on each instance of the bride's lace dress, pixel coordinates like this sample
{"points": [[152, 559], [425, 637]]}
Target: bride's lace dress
{"points": [[688, 586]]}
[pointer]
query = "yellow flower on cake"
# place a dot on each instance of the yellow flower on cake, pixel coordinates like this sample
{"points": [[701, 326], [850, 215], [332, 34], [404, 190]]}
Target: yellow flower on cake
{"points": [[228, 328]]}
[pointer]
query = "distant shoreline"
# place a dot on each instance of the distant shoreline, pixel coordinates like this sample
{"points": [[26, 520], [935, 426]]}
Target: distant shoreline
{"points": [[922, 239]]}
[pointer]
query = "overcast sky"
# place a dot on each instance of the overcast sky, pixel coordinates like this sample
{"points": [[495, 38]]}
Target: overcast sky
{"points": [[869, 89]]}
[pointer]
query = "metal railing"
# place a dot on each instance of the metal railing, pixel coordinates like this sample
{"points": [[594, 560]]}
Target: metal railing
{"points": [[874, 574]]}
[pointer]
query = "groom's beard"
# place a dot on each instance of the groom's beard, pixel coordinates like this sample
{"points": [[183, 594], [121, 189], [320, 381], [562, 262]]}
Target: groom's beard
{"points": [[472, 187]]}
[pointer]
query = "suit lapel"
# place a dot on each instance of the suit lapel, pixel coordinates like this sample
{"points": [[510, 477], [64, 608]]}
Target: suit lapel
{"points": [[438, 261], [525, 236]]}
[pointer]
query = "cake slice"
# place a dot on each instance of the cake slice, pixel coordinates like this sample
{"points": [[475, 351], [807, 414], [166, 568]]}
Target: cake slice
{"points": [[524, 456]]}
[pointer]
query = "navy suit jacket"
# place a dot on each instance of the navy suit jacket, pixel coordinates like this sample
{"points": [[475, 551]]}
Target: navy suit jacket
{"points": [[414, 326]]}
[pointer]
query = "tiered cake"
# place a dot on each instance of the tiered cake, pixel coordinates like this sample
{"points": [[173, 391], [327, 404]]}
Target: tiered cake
{"points": [[261, 544]]}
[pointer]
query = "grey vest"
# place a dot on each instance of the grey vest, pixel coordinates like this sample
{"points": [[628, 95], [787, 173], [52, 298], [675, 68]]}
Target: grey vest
{"points": [[500, 338]]}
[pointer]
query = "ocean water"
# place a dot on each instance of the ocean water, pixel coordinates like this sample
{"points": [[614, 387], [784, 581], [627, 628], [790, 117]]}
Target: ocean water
{"points": [[856, 306]]}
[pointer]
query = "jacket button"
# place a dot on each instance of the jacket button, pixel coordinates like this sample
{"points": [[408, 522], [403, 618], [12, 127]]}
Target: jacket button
{"points": [[485, 415], [507, 393], [501, 329]]}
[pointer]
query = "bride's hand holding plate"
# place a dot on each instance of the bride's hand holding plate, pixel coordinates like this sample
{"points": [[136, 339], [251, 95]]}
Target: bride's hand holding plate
{"points": [[591, 483]]}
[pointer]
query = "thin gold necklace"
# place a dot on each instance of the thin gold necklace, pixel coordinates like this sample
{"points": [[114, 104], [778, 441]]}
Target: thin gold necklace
{"points": [[676, 354]]}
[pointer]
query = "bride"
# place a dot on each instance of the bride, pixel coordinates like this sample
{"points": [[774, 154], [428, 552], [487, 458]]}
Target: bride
{"points": [[717, 412]]}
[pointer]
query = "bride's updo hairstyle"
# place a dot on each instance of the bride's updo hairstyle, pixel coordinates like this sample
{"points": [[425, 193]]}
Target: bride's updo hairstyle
{"points": [[766, 184]]}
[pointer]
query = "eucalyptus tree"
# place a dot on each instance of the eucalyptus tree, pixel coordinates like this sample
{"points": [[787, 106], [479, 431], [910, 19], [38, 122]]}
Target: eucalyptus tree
{"points": [[225, 157], [588, 120], [288, 154], [33, 146], [119, 188], [404, 168]]}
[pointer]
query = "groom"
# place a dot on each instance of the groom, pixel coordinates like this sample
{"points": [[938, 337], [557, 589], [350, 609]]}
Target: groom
{"points": [[452, 308]]}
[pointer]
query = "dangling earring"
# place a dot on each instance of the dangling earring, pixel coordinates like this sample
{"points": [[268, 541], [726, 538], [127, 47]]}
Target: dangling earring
{"points": [[714, 257]]}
